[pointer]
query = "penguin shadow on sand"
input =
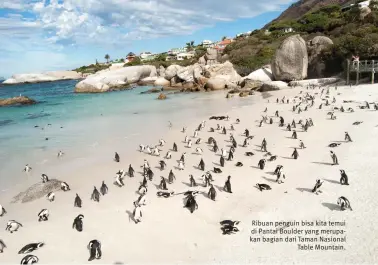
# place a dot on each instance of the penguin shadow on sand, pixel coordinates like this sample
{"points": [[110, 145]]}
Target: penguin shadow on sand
{"points": [[331, 206], [255, 167], [304, 189], [270, 173], [219, 188], [131, 216], [216, 164], [332, 181], [118, 263], [323, 163], [187, 184], [286, 157], [269, 179]]}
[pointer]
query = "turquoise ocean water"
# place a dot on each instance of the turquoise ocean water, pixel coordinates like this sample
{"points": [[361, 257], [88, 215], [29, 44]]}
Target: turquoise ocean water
{"points": [[79, 123]]}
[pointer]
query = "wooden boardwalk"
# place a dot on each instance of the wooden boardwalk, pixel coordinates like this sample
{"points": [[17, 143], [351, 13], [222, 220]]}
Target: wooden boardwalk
{"points": [[365, 66]]}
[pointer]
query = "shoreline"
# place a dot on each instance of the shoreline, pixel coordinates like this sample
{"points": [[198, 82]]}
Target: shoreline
{"points": [[196, 237]]}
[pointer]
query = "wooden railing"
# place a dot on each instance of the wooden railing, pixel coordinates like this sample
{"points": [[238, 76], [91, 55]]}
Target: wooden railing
{"points": [[364, 66]]}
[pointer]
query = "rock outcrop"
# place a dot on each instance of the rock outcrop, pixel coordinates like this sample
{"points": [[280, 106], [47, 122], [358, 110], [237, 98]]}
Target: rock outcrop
{"points": [[43, 77], [215, 84], [171, 71], [16, 101], [291, 60], [162, 96], [316, 66], [115, 80], [161, 81], [210, 57], [315, 82], [273, 86], [224, 71], [262, 75]]}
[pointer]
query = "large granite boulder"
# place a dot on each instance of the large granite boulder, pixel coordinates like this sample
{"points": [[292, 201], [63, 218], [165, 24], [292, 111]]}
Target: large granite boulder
{"points": [[161, 71], [251, 84], [161, 81], [22, 100], [171, 71], [291, 60], [262, 75], [215, 84], [210, 57], [316, 66], [202, 60], [273, 86], [315, 82], [190, 73], [147, 81], [224, 71], [43, 77], [116, 79]]}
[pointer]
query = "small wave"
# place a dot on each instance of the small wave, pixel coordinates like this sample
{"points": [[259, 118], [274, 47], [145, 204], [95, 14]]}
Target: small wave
{"points": [[6, 122], [36, 116]]}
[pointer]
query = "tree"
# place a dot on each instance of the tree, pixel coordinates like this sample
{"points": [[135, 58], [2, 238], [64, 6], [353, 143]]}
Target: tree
{"points": [[107, 57], [224, 37], [96, 62], [373, 5]]}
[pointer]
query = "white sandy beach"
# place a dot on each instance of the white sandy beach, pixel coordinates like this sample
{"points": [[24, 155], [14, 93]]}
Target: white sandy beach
{"points": [[170, 234]]}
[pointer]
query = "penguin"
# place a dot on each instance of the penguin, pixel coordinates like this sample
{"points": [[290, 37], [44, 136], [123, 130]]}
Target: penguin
{"points": [[183, 157], [232, 128], [183, 129], [13, 226], [212, 129], [29, 259], [195, 135], [270, 121], [148, 150], [116, 157], [189, 144], [43, 215], [50, 196], [229, 222], [347, 137], [163, 184], [301, 145], [2, 246], [262, 187], [201, 165], [276, 113], [191, 203], [344, 178], [266, 109], [318, 184], [142, 199], [186, 139], [27, 168], [142, 189], [199, 150], [156, 151], [78, 223], [192, 181], [295, 154], [2, 211], [344, 203], [174, 147], [224, 152], [227, 185], [64, 186], [119, 180], [206, 180], [141, 148], [278, 170], [137, 214], [282, 122], [212, 192], [131, 171], [245, 143], [335, 161], [103, 188], [60, 154], [350, 109], [246, 133], [168, 155], [239, 164], [224, 130], [161, 142], [222, 161], [31, 247], [237, 120], [150, 174], [162, 164], [171, 177], [279, 175], [44, 178], [294, 135], [263, 145], [199, 140], [261, 164], [215, 147], [77, 202], [249, 154], [94, 247], [272, 158], [181, 165], [144, 182], [95, 195], [210, 140], [334, 144]]}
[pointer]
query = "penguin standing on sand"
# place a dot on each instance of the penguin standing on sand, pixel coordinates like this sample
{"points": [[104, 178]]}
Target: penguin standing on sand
{"points": [[142, 189], [94, 247], [131, 171], [262, 187], [227, 185], [222, 161], [199, 140], [103, 188], [2, 246], [43, 215], [174, 147], [64, 186], [60, 154], [212, 192], [317, 186], [293, 124], [119, 180], [13, 226], [263, 145], [246, 133], [199, 150], [168, 155], [301, 145], [294, 135], [142, 200], [44, 178], [95, 195], [161, 142], [230, 155], [344, 178], [27, 168], [171, 177], [280, 176], [162, 164], [137, 214], [261, 164], [2, 211], [295, 154], [150, 174], [78, 223], [335, 161], [181, 165], [344, 203], [116, 157], [50, 197], [192, 181], [77, 202], [163, 184], [288, 127], [182, 158], [191, 203], [156, 151], [29, 259], [347, 137], [201, 165]]}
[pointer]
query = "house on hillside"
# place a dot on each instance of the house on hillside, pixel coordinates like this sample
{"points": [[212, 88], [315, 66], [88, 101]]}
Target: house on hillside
{"points": [[144, 55], [360, 5], [288, 30], [175, 51], [130, 57], [220, 46], [184, 56], [207, 43]]}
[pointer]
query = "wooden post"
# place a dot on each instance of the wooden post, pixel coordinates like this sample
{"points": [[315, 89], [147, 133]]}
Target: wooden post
{"points": [[372, 72], [358, 73], [348, 71]]}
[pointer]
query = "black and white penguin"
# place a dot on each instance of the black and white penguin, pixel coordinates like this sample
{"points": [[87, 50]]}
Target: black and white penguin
{"points": [[137, 214], [182, 158], [2, 211], [116, 157], [334, 144], [78, 223], [217, 170], [131, 171], [272, 158], [44, 178], [119, 179], [301, 145], [222, 161], [191, 203], [199, 150], [199, 140], [50, 196], [344, 178], [64, 186], [317, 186], [2, 246], [344, 203], [29, 259], [171, 177], [104, 188], [13, 226], [60, 154], [294, 135], [163, 184], [261, 164], [262, 187], [249, 154], [77, 202], [212, 192], [174, 147], [239, 164], [94, 247], [181, 165], [141, 148], [278, 169], [161, 142], [162, 164], [246, 133], [295, 154], [227, 185], [43, 215], [201, 165], [27, 168], [150, 174], [347, 137], [142, 200], [142, 189], [192, 181], [335, 161], [31, 247], [95, 195], [210, 140]]}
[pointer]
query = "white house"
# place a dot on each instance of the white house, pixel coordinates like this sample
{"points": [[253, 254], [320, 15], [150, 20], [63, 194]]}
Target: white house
{"points": [[184, 56], [144, 55], [288, 30], [207, 43]]}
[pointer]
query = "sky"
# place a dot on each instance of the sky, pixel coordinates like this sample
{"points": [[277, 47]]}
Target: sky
{"points": [[48, 35]]}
